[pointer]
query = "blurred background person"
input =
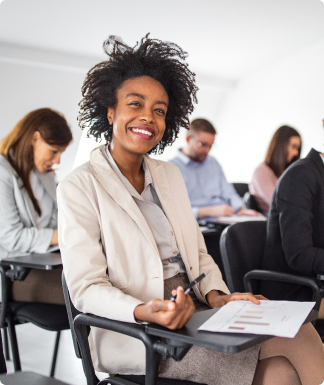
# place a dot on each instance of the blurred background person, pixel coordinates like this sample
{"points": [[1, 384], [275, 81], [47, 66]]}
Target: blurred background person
{"points": [[283, 150], [28, 208], [210, 194]]}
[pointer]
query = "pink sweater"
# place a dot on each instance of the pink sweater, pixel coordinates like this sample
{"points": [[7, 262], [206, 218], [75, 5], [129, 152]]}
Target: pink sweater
{"points": [[262, 186]]}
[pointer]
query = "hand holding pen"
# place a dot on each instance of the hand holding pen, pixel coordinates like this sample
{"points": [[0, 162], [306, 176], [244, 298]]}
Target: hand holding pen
{"points": [[191, 285]]}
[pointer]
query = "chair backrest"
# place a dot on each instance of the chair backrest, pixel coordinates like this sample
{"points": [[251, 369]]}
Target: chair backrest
{"points": [[242, 247], [241, 188], [72, 313], [251, 202]]}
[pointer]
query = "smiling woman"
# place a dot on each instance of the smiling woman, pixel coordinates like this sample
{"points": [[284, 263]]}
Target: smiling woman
{"points": [[152, 58], [135, 241]]}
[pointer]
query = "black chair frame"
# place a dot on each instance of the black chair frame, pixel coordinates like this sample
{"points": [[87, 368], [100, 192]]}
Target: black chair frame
{"points": [[258, 274], [23, 378], [155, 348], [250, 202], [8, 318], [251, 273], [241, 188]]}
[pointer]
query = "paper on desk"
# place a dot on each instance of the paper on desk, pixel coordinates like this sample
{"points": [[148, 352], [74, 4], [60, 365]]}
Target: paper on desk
{"points": [[277, 318], [50, 249], [239, 218]]}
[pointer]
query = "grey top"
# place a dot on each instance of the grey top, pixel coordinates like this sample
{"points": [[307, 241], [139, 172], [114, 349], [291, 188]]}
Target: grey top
{"points": [[18, 232], [150, 206], [45, 201]]}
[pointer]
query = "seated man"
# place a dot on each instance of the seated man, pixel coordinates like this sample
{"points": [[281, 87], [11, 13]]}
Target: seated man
{"points": [[211, 196]]}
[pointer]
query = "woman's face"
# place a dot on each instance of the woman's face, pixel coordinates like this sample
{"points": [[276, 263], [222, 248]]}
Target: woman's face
{"points": [[293, 148], [45, 155], [139, 117]]}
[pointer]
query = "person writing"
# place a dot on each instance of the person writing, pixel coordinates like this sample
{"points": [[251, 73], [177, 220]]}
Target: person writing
{"points": [[210, 194], [283, 150], [135, 241], [28, 208]]}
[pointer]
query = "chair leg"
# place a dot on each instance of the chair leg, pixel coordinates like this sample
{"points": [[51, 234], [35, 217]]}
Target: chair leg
{"points": [[5, 344], [57, 341], [14, 345]]}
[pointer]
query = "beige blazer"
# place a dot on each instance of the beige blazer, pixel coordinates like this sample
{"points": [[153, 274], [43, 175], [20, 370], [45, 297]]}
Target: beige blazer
{"points": [[110, 257]]}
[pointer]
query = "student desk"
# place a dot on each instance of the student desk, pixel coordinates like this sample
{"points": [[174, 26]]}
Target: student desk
{"points": [[176, 343], [222, 342], [17, 269], [20, 266], [46, 261]]}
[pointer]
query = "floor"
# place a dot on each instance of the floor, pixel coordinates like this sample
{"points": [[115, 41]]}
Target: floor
{"points": [[36, 348]]}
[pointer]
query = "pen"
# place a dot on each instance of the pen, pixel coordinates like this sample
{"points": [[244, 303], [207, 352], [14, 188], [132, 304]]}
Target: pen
{"points": [[191, 285]]}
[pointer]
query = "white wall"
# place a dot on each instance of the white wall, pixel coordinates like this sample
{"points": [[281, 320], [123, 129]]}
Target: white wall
{"points": [[290, 91], [32, 79], [211, 94]]}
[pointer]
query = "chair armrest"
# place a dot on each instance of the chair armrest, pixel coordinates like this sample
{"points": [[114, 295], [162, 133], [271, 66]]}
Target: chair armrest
{"points": [[81, 322], [5, 287], [116, 381], [130, 329], [266, 275]]}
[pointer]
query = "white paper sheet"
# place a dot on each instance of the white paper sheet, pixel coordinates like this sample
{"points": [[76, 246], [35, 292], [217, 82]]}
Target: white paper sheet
{"points": [[51, 249], [277, 318], [239, 218]]}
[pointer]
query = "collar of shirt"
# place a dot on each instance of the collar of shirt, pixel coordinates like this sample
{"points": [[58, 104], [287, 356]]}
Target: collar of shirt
{"points": [[322, 157], [147, 175]]}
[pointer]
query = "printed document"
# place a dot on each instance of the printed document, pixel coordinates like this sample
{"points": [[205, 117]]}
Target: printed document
{"points": [[276, 318]]}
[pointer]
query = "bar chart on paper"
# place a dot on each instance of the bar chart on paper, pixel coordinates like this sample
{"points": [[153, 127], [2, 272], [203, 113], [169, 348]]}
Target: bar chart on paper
{"points": [[278, 318]]}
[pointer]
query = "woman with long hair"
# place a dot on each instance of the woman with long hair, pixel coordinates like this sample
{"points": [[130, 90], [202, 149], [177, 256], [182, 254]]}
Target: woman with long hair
{"points": [[283, 150], [135, 241], [28, 208]]}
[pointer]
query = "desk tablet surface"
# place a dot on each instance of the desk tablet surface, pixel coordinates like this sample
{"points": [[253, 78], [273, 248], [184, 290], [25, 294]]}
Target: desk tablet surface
{"points": [[48, 261], [222, 342]]}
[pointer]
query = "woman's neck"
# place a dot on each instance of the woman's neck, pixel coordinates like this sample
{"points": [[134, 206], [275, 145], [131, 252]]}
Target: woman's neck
{"points": [[130, 165]]}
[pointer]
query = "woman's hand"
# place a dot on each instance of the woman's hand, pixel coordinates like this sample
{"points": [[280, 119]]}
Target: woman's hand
{"points": [[54, 240], [215, 211], [173, 315], [215, 299]]}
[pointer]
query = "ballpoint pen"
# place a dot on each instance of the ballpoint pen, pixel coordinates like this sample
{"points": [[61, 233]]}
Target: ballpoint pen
{"points": [[191, 285]]}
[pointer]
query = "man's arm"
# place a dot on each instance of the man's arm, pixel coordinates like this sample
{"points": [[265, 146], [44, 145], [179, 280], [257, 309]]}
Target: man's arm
{"points": [[215, 211]]}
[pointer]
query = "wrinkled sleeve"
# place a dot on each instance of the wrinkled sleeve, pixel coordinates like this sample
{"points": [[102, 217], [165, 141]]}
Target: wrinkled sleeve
{"points": [[14, 236]]}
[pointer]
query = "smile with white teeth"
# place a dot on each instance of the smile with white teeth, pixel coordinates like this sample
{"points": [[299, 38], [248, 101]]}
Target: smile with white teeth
{"points": [[142, 131]]}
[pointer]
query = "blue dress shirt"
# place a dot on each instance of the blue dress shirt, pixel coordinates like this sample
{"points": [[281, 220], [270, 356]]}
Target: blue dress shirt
{"points": [[206, 183]]}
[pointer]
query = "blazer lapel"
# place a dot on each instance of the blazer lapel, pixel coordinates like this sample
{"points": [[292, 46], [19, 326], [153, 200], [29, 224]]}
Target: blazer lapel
{"points": [[315, 156], [116, 189]]}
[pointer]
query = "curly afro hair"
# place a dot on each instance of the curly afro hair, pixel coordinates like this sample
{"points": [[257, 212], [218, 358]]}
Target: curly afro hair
{"points": [[162, 61]]}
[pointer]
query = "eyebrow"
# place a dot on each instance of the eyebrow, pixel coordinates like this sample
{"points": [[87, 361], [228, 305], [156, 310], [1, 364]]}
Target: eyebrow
{"points": [[144, 98]]}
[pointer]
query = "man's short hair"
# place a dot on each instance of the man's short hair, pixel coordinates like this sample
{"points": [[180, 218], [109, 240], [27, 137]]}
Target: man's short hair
{"points": [[202, 125]]}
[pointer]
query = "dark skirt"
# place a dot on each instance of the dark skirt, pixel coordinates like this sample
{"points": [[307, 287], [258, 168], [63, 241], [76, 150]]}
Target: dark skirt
{"points": [[43, 286]]}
